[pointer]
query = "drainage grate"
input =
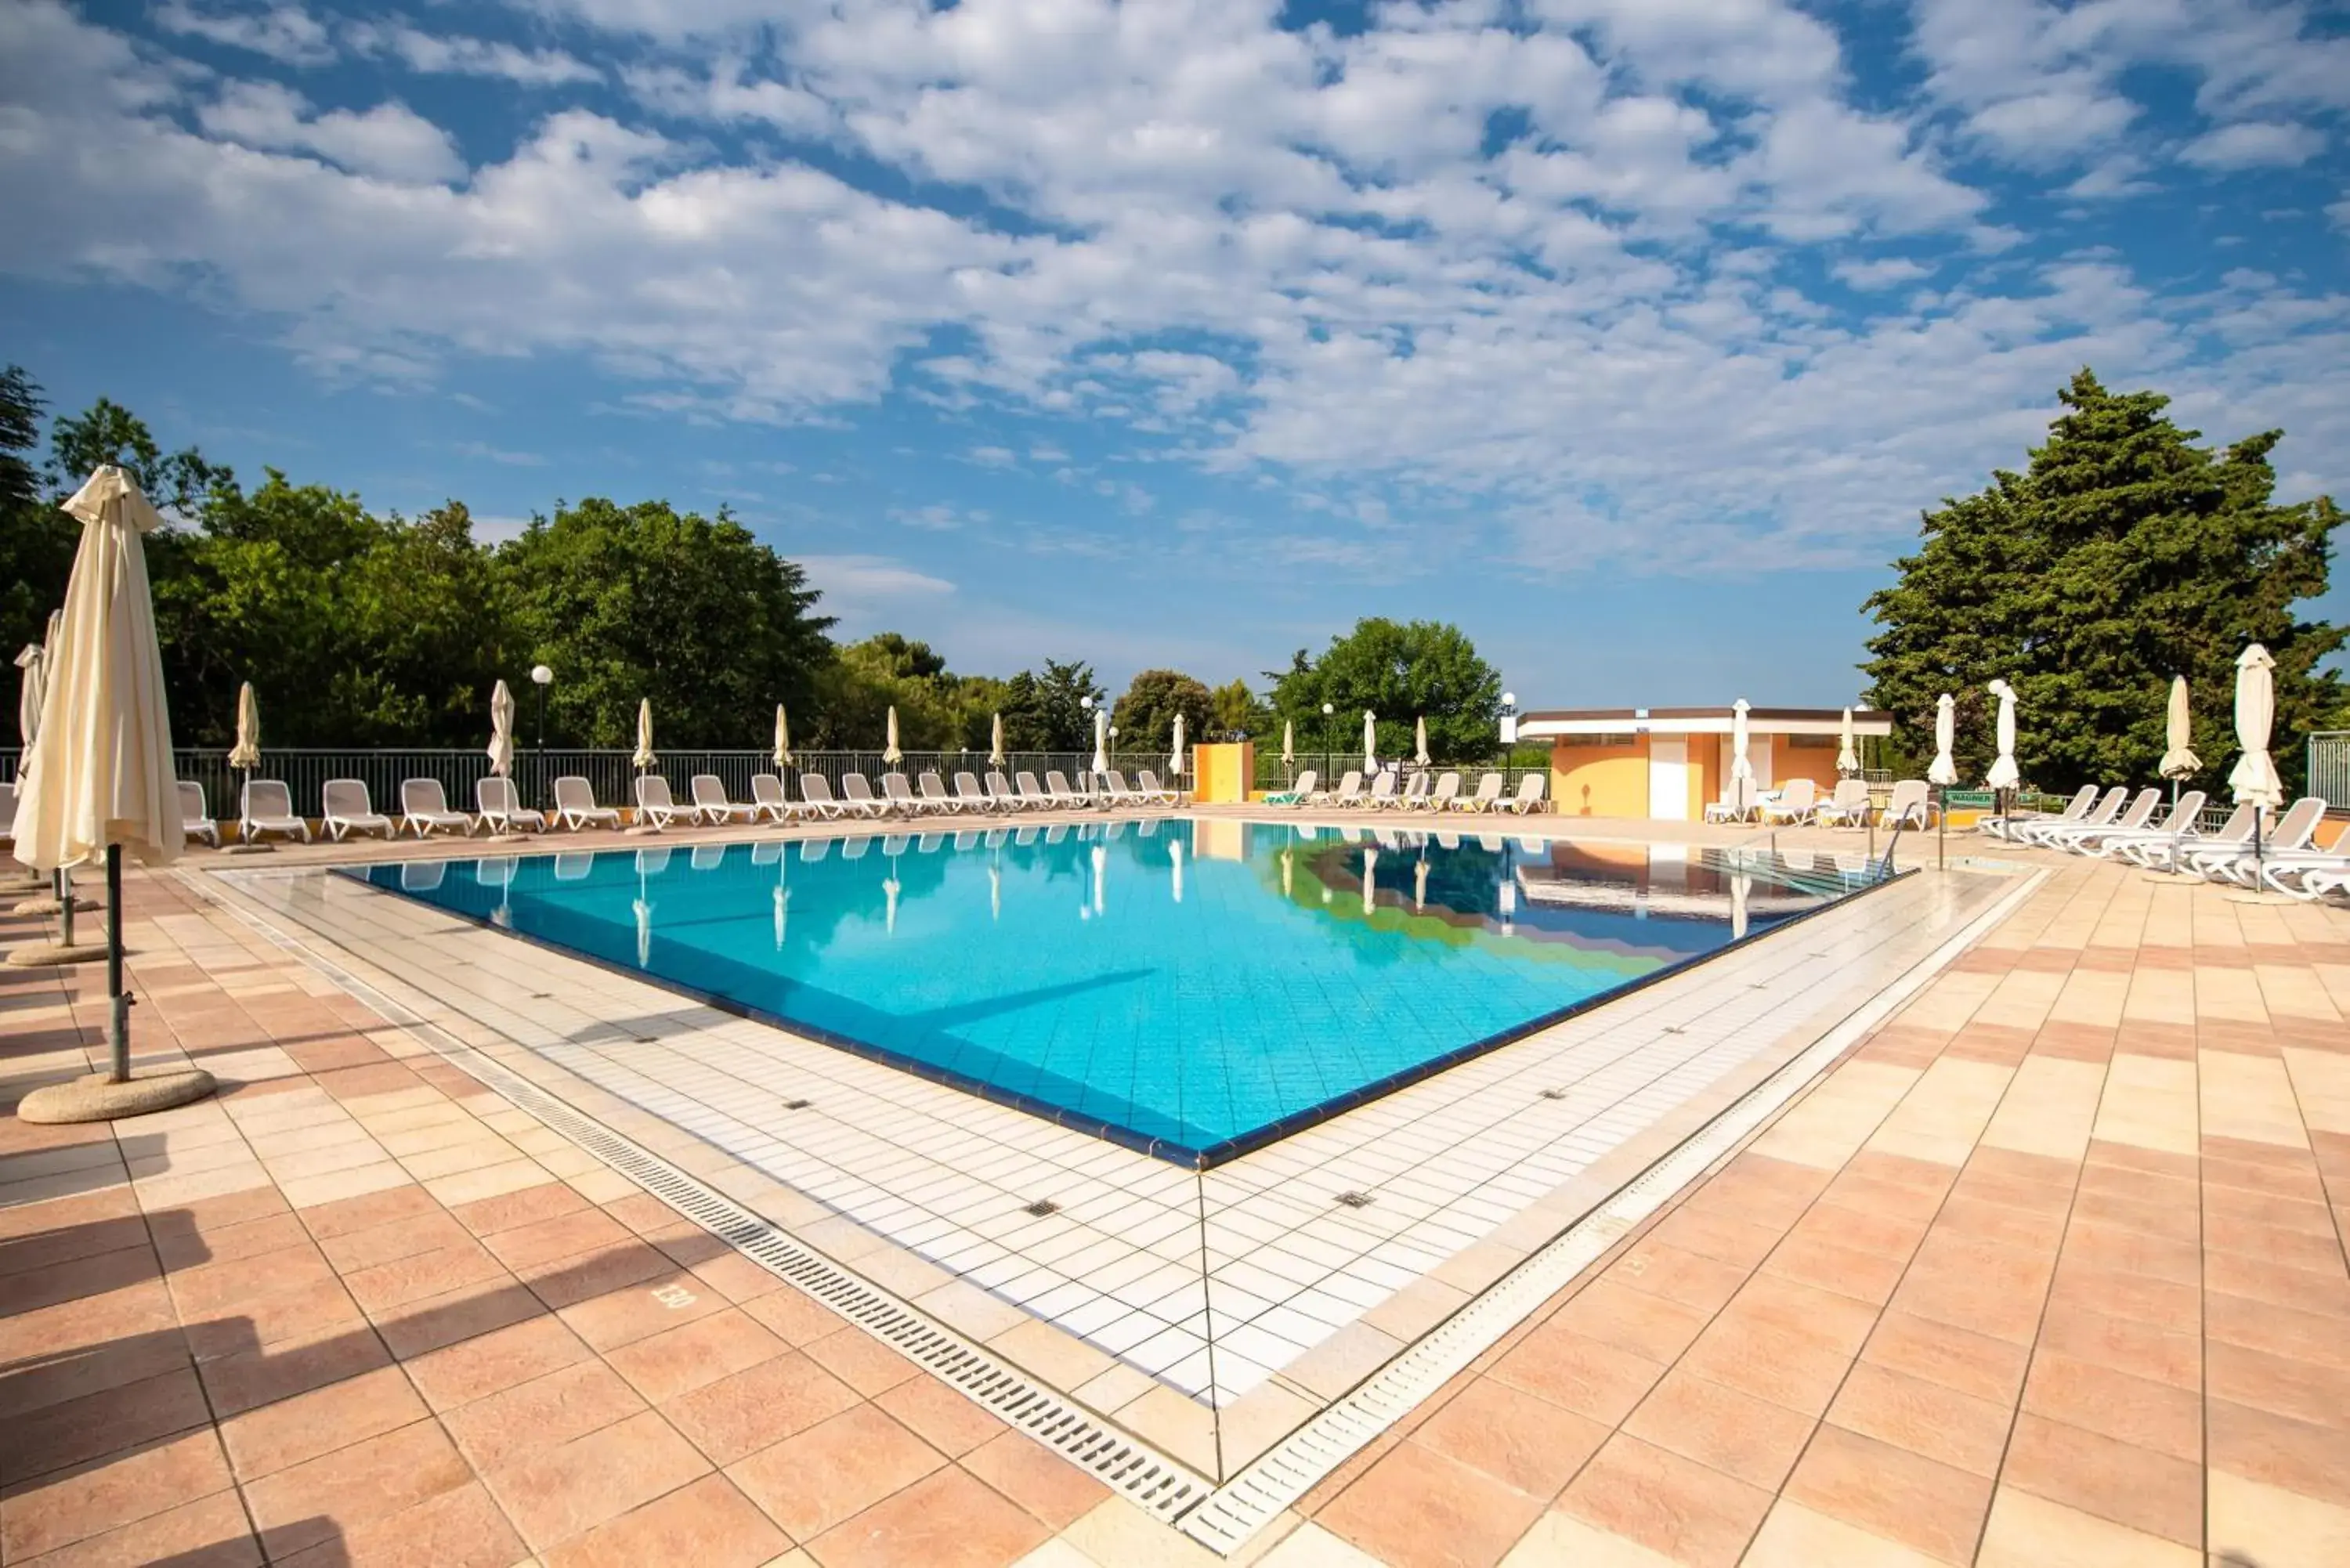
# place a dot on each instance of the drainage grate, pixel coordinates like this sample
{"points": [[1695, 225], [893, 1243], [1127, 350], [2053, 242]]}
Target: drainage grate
{"points": [[1144, 1477], [797, 1104], [1554, 1094], [1042, 1207], [1354, 1199]]}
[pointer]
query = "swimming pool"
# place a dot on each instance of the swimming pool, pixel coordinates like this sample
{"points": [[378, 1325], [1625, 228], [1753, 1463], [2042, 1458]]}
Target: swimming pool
{"points": [[1192, 989]]}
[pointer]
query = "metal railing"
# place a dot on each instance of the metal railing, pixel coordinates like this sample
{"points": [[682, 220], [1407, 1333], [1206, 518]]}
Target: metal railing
{"points": [[304, 769], [2329, 767]]}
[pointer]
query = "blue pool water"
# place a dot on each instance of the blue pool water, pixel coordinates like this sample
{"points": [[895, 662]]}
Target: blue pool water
{"points": [[1191, 988]]}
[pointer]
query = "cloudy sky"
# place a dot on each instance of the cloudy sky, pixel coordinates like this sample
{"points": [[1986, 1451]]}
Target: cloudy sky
{"points": [[1630, 334]]}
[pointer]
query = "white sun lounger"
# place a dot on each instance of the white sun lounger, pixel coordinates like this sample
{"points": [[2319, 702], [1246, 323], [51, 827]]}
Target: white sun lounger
{"points": [[1911, 805], [1415, 791], [1148, 786], [1736, 805], [1488, 795], [857, 796], [2028, 830], [1301, 789], [1056, 786], [575, 807], [344, 808], [969, 797], [1447, 792], [1383, 791], [1348, 792], [711, 804], [195, 820], [424, 808], [1848, 807], [1529, 799], [1114, 793], [2156, 853], [2284, 844], [1002, 794], [656, 807], [2076, 810], [2063, 836], [1032, 793], [768, 799], [1796, 804], [502, 807], [934, 794], [899, 793], [816, 791], [2101, 844]]}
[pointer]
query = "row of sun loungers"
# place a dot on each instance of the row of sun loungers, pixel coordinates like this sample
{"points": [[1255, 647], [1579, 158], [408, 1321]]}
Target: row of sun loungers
{"points": [[2113, 824], [1798, 803], [1422, 792], [345, 808]]}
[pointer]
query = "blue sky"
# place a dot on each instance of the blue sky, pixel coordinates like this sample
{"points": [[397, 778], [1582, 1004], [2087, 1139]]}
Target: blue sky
{"points": [[1631, 335]]}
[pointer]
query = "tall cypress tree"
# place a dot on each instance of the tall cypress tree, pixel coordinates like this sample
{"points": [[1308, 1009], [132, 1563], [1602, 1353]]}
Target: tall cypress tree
{"points": [[2123, 555]]}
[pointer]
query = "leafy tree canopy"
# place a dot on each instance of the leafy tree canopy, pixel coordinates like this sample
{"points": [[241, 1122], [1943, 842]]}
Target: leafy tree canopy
{"points": [[1043, 710], [1401, 671], [1234, 710], [1145, 716], [2124, 555]]}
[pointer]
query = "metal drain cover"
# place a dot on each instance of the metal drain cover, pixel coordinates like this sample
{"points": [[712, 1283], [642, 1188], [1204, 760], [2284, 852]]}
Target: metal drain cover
{"points": [[1355, 1199], [1042, 1207]]}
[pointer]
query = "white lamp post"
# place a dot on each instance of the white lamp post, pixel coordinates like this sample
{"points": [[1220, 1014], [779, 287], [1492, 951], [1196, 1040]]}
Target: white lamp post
{"points": [[542, 678]]}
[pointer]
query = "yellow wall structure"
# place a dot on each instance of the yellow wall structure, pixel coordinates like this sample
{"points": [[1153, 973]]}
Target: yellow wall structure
{"points": [[1817, 764], [1221, 774], [1599, 781]]}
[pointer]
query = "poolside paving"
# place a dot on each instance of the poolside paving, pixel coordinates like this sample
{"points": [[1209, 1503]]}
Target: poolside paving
{"points": [[2050, 1269]]}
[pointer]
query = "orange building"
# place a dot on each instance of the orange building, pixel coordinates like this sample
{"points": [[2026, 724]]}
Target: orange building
{"points": [[1666, 764]]}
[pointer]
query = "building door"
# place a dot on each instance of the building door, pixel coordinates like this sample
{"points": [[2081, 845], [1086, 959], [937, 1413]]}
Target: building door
{"points": [[1669, 778]]}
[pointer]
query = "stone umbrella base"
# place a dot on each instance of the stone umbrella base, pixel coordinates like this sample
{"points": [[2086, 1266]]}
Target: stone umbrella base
{"points": [[38, 955], [48, 905], [95, 1099]]}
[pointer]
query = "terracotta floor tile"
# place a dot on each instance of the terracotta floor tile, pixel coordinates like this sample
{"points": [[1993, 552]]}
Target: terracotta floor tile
{"points": [[188, 1248], [487, 1216], [706, 1522], [1037, 1479], [835, 1470], [641, 1308], [1524, 1442], [564, 1235], [2129, 1485], [74, 1278], [2314, 1337], [209, 1534], [2116, 1404], [73, 1505], [1594, 1380], [387, 1287], [1980, 1209], [792, 1316], [679, 1360], [764, 1403], [1415, 1508], [1774, 1363], [2277, 1450], [461, 1528], [2228, 1209], [217, 1288], [1865, 1276], [418, 1327], [2276, 1384], [304, 1311], [1923, 1417], [340, 1492], [2292, 1248], [1687, 1512], [490, 1363], [586, 1275], [563, 1492], [2141, 1349], [941, 1416], [1792, 1306], [79, 1430], [2134, 1251], [1719, 1237], [368, 1211], [860, 1360], [2260, 1278], [1962, 1296], [2179, 1221], [1742, 1436], [2028, 1531], [351, 1251], [1631, 1320], [948, 1520], [266, 1440], [1890, 1491], [2118, 1293], [518, 1423], [1691, 1279]]}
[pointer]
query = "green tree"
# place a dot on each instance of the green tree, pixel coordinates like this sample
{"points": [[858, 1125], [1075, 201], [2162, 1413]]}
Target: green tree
{"points": [[107, 432], [1045, 712], [625, 602], [1401, 671], [864, 680], [1145, 716], [36, 540], [1233, 710], [2124, 555]]}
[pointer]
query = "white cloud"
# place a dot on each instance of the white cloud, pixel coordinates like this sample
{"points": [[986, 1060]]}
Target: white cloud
{"points": [[863, 592], [1885, 273], [489, 454], [287, 34], [2254, 144], [390, 140], [454, 55]]}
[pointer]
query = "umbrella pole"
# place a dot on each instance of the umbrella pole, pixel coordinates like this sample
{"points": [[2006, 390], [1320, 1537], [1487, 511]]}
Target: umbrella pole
{"points": [[1942, 830], [65, 909], [118, 1025]]}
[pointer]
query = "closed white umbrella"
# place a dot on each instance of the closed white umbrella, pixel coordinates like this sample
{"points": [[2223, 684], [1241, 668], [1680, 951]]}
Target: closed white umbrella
{"points": [[2003, 773], [1101, 741], [1742, 765], [105, 782], [1175, 854], [782, 755], [1370, 742], [1100, 857], [1175, 758], [246, 753], [1420, 885], [643, 756], [502, 715], [1288, 744], [28, 698], [1943, 771], [783, 912], [1420, 740], [1370, 879], [2178, 758], [2254, 778], [1847, 753], [890, 751], [995, 742]]}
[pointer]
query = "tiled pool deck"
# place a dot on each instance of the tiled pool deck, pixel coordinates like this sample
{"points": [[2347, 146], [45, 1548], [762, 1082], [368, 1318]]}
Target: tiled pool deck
{"points": [[2048, 1271]]}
